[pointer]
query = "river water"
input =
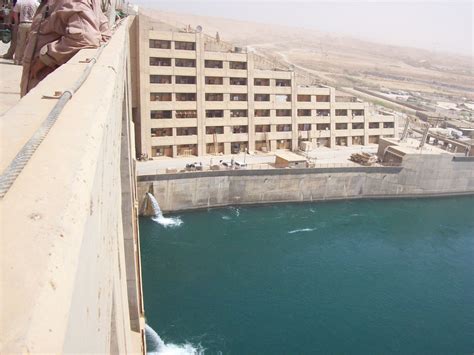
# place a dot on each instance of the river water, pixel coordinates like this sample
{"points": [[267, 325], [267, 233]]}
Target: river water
{"points": [[358, 277]]}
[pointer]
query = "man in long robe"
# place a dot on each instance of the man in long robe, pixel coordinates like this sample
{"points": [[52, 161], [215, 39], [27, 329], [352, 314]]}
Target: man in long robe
{"points": [[59, 30]]}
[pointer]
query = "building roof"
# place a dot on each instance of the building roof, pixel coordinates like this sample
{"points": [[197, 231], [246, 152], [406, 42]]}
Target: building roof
{"points": [[289, 156]]}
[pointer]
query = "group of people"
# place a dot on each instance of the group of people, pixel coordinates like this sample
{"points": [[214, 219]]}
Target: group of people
{"points": [[47, 34]]}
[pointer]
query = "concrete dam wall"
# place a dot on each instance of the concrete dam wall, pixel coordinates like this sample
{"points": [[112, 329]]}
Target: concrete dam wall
{"points": [[419, 175]]}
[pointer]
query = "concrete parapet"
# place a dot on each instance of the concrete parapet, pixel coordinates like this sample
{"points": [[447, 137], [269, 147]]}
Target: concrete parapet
{"points": [[63, 255], [429, 175]]}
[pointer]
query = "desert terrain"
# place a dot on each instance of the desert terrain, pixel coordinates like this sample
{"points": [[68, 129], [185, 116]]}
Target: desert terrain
{"points": [[342, 61]]}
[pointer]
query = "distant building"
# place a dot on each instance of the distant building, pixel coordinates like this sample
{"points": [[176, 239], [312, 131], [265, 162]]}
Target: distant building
{"points": [[199, 96]]}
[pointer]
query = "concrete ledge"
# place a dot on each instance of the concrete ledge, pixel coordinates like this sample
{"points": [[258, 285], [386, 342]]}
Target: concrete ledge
{"points": [[463, 159], [269, 172]]}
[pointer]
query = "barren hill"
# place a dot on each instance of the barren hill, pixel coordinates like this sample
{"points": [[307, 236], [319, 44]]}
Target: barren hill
{"points": [[342, 60]]}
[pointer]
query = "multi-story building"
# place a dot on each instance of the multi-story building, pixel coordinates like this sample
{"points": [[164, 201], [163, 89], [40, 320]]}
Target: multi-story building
{"points": [[199, 95]]}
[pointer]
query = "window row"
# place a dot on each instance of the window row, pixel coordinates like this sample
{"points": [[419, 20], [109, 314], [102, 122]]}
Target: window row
{"points": [[167, 114], [180, 45], [191, 63]]}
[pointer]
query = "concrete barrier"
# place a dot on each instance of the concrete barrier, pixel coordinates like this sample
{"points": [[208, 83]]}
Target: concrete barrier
{"points": [[420, 175], [66, 264]]}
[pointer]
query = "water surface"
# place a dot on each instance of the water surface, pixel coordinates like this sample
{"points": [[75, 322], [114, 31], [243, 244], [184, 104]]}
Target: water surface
{"points": [[363, 277]]}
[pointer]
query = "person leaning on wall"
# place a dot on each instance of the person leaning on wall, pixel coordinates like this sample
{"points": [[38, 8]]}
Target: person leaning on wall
{"points": [[60, 29]]}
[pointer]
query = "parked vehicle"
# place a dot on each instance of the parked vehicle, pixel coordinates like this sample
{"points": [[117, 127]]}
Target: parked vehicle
{"points": [[240, 165]]}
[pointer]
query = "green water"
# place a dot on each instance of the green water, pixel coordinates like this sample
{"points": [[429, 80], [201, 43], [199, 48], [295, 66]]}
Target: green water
{"points": [[365, 277]]}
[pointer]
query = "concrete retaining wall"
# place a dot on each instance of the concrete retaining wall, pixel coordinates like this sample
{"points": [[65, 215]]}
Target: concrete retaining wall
{"points": [[420, 175]]}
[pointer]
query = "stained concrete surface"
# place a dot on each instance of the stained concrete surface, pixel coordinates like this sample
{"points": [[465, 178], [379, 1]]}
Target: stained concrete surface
{"points": [[10, 75]]}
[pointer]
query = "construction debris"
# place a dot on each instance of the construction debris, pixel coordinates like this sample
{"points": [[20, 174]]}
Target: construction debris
{"points": [[364, 158]]}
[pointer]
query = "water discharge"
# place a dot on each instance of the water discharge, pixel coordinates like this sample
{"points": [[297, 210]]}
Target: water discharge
{"points": [[159, 218], [155, 345]]}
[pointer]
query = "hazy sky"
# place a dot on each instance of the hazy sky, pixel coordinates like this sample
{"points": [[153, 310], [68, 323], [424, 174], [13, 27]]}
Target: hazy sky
{"points": [[437, 26]]}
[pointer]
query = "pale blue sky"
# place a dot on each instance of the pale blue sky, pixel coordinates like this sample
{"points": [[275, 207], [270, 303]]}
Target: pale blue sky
{"points": [[437, 26]]}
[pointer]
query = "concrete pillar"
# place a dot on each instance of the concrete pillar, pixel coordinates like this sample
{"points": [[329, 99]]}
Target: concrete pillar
{"points": [[294, 113], [200, 96], [366, 123], [250, 102], [332, 140], [144, 79]]}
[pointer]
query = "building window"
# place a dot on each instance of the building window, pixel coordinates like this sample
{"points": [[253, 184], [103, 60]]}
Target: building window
{"points": [[185, 79], [357, 112], [214, 130], [283, 98], [304, 98], [373, 125], [238, 81], [214, 148], [160, 79], [214, 80], [323, 127], [302, 112], [341, 112], [374, 139], [160, 96], [162, 151], [238, 113], [262, 128], [357, 126], [388, 125], [159, 114], [185, 46], [283, 128], [240, 129], [323, 98], [262, 113], [282, 82], [304, 127], [185, 63], [238, 65], [262, 97], [238, 147], [214, 97], [283, 113], [214, 64], [341, 126], [186, 131], [161, 132], [186, 114], [323, 113], [186, 149], [238, 97], [185, 96], [160, 62], [161, 44], [214, 113], [261, 82]]}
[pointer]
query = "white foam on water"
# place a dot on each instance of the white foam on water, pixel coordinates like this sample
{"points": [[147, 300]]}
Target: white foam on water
{"points": [[301, 230], [159, 218], [156, 346], [227, 218]]}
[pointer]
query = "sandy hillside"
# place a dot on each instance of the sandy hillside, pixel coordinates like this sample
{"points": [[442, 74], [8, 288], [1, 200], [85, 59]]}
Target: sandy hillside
{"points": [[342, 60]]}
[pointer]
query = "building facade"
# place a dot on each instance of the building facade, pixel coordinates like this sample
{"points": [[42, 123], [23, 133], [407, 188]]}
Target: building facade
{"points": [[199, 96]]}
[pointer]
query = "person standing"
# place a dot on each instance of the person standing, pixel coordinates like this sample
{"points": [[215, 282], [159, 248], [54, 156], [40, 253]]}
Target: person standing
{"points": [[24, 11], [60, 29], [10, 21]]}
